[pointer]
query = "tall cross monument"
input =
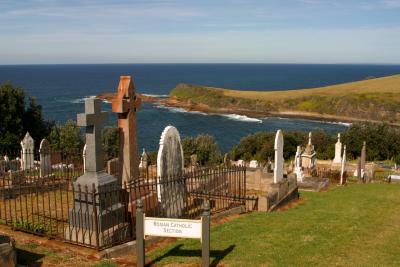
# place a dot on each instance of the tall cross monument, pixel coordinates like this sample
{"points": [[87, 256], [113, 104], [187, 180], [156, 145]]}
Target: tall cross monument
{"points": [[125, 105]]}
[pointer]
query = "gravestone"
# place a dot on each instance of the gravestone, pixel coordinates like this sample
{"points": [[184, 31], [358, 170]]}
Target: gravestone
{"points": [[343, 168], [309, 157], [241, 163], [254, 164], [108, 211], [170, 166], [270, 168], [144, 160], [227, 160], [125, 105], [297, 165], [113, 167], [27, 152], [363, 160], [338, 151], [84, 158], [45, 158], [278, 147], [193, 161]]}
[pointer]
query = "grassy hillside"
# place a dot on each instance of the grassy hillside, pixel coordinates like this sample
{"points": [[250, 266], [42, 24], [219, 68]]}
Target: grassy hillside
{"points": [[356, 225], [372, 99]]}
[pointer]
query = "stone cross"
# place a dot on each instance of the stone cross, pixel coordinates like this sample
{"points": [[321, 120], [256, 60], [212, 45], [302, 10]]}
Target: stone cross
{"points": [[92, 120], [343, 167], [27, 152], [278, 169], [125, 105], [45, 158], [338, 151]]}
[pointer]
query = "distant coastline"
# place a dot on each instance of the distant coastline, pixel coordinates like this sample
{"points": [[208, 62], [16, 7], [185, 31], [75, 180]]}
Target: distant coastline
{"points": [[371, 99]]}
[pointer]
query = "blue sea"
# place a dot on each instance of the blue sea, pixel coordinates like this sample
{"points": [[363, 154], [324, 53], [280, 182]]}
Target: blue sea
{"points": [[61, 90]]}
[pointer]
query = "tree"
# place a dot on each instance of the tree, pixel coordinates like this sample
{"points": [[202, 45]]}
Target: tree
{"points": [[110, 140], [66, 137], [204, 146], [16, 120]]}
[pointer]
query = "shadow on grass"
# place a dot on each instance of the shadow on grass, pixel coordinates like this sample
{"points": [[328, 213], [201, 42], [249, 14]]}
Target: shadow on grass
{"points": [[217, 255], [28, 258]]}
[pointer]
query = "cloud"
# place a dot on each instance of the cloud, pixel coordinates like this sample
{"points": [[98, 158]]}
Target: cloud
{"points": [[391, 3]]}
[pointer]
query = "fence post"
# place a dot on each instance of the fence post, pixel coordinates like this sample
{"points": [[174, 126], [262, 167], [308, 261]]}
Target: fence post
{"points": [[205, 235], [139, 233]]}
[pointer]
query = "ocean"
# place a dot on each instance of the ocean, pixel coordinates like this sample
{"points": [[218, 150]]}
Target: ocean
{"points": [[61, 90]]}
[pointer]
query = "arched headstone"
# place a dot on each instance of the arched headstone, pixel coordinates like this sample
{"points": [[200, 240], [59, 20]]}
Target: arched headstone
{"points": [[45, 158], [27, 152], [278, 170], [170, 166]]}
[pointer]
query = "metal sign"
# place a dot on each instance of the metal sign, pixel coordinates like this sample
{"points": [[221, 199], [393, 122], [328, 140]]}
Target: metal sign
{"points": [[180, 228]]}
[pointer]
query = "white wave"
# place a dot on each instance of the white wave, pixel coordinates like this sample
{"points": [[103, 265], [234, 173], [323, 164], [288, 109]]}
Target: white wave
{"points": [[238, 117], [159, 96], [180, 110], [82, 100], [347, 124]]}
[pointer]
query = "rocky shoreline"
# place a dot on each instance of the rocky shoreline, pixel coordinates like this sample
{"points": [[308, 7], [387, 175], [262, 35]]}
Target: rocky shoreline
{"points": [[190, 106]]}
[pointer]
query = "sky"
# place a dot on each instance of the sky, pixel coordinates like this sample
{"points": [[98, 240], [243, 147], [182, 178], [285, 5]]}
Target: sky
{"points": [[206, 31]]}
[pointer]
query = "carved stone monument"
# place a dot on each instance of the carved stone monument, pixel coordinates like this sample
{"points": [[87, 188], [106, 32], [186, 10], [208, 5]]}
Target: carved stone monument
{"points": [[170, 166], [278, 147], [125, 105], [109, 211], [144, 160], [84, 157], [27, 152], [343, 168], [338, 151], [45, 158], [309, 157]]}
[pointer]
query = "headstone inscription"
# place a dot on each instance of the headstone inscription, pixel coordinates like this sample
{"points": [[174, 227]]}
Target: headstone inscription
{"points": [[45, 158], [338, 151], [108, 212], [170, 166], [27, 152], [125, 105], [278, 147]]}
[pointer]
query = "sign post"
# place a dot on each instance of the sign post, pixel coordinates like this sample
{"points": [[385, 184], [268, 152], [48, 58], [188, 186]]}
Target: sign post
{"points": [[181, 228]]}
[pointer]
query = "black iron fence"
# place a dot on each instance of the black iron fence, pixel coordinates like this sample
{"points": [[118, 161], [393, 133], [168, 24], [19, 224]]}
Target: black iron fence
{"points": [[48, 201]]}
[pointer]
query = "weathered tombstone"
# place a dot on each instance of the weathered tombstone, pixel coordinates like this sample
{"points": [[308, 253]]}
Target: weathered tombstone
{"points": [[227, 160], [269, 166], [45, 158], [97, 215], [343, 168], [297, 166], [254, 164], [144, 160], [170, 166], [125, 105], [241, 163], [309, 157], [193, 161], [278, 147], [84, 158], [27, 152], [363, 160], [338, 151]]}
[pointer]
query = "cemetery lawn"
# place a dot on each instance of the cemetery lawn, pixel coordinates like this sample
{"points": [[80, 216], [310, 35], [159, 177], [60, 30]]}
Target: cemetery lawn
{"points": [[355, 225]]}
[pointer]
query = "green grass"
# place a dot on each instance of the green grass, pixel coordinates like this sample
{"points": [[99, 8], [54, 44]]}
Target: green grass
{"points": [[355, 225]]}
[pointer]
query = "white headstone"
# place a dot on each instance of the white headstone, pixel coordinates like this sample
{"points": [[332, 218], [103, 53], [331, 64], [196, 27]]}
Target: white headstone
{"points": [[297, 169], [27, 152], [338, 151], [45, 158], [278, 169], [254, 164], [84, 158], [170, 167], [241, 163], [144, 160], [343, 167]]}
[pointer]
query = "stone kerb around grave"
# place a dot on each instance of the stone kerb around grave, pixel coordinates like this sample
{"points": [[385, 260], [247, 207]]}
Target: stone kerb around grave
{"points": [[170, 167]]}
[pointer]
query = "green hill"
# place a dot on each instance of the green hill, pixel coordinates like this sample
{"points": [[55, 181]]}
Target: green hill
{"points": [[373, 99]]}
